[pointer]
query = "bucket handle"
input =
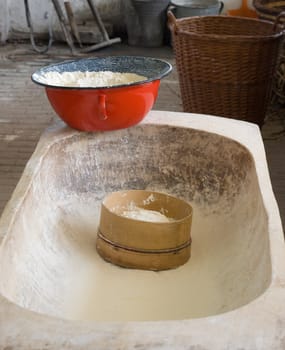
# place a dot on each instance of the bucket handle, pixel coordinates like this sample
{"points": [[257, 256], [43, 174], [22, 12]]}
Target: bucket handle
{"points": [[280, 19], [172, 23], [221, 7]]}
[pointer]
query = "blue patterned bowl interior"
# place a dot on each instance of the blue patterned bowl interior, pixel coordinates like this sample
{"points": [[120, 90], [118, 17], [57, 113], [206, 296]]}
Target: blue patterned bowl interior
{"points": [[151, 68]]}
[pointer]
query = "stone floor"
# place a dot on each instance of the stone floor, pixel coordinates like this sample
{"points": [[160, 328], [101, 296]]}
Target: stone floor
{"points": [[25, 111]]}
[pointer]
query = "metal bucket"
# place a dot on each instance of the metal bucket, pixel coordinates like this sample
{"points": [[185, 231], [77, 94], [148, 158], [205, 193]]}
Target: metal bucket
{"points": [[145, 21], [184, 8]]}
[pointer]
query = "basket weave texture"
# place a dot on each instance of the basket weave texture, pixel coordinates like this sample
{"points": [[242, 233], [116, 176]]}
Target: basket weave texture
{"points": [[225, 64], [270, 10]]}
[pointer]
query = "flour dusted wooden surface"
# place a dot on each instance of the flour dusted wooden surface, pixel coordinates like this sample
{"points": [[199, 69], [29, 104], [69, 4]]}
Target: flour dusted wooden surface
{"points": [[23, 329]]}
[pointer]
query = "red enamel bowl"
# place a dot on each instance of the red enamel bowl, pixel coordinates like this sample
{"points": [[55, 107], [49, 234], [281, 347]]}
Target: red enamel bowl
{"points": [[108, 107]]}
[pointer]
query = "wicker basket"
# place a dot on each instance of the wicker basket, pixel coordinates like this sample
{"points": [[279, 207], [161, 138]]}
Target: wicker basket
{"points": [[225, 64], [270, 10]]}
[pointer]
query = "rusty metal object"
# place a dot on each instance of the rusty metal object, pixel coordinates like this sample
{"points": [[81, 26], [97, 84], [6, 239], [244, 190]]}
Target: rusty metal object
{"points": [[39, 49]]}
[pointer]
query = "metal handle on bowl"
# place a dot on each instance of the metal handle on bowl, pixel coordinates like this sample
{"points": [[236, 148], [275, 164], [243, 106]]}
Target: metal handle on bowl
{"points": [[102, 107], [221, 7]]}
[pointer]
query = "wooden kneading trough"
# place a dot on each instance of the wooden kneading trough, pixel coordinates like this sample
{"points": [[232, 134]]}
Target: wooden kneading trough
{"points": [[56, 292]]}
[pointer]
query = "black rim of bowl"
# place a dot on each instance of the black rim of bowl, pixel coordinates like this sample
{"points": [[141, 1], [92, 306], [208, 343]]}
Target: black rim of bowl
{"points": [[164, 72]]}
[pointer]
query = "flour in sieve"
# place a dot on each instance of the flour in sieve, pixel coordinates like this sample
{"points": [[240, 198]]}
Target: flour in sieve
{"points": [[146, 215]]}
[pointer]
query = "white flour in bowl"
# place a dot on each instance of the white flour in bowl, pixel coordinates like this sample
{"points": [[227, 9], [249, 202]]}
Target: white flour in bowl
{"points": [[90, 79]]}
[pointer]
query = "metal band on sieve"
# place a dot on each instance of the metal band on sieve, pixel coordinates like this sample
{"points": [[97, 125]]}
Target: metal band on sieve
{"points": [[150, 251]]}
